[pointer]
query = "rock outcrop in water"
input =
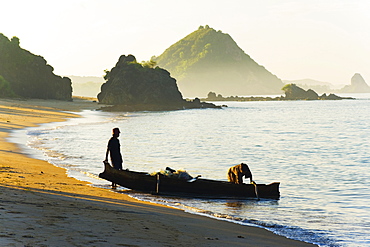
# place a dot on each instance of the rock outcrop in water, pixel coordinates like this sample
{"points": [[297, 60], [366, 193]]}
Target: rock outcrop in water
{"points": [[23, 74], [358, 85], [292, 92], [131, 86]]}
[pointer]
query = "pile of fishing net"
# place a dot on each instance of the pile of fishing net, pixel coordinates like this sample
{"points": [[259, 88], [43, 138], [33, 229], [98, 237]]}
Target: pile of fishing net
{"points": [[169, 172]]}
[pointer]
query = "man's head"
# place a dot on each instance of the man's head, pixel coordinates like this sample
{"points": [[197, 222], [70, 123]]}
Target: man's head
{"points": [[244, 169], [116, 132]]}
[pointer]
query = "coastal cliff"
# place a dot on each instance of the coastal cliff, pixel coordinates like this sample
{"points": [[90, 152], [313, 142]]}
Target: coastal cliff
{"points": [[25, 75]]}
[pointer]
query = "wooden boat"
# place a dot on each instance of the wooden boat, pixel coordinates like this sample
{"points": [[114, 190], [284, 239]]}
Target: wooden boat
{"points": [[198, 187]]}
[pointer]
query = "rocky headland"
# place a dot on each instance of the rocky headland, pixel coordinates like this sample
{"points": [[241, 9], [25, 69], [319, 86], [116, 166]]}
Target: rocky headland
{"points": [[131, 86], [292, 92], [25, 75]]}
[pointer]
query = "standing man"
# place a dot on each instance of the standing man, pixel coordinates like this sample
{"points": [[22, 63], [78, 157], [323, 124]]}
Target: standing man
{"points": [[114, 148]]}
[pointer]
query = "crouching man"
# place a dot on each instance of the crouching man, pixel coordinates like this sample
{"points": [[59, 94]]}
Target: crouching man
{"points": [[236, 173]]}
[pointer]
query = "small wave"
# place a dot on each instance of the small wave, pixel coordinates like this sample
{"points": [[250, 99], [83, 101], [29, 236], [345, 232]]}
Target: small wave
{"points": [[40, 131], [90, 175], [36, 132], [296, 233]]}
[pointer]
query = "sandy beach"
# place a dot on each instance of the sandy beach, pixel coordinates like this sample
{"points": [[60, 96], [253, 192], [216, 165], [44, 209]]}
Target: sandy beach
{"points": [[41, 206]]}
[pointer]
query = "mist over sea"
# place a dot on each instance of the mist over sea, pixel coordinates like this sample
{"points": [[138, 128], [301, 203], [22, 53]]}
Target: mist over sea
{"points": [[318, 150]]}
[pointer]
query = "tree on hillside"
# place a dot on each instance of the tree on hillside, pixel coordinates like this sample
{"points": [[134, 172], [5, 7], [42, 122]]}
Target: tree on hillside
{"points": [[149, 64], [5, 90], [15, 41]]}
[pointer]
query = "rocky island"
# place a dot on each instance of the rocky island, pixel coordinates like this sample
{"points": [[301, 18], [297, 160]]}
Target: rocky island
{"points": [[292, 92], [131, 86], [358, 85]]}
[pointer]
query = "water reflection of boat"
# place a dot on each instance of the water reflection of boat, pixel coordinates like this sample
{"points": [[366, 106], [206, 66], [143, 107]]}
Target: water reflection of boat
{"points": [[204, 188]]}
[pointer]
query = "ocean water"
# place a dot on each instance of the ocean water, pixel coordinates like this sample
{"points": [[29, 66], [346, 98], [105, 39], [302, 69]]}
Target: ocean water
{"points": [[318, 150]]}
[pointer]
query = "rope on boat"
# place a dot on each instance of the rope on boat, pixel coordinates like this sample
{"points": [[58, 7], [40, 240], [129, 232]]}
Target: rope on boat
{"points": [[255, 190], [158, 180]]}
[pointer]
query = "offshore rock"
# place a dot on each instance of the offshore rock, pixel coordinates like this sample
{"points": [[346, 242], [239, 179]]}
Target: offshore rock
{"points": [[292, 92], [131, 86], [358, 85], [130, 83]]}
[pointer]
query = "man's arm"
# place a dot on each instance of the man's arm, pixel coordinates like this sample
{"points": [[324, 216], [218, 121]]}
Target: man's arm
{"points": [[106, 155]]}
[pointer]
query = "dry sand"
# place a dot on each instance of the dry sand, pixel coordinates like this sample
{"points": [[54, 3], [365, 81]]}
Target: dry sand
{"points": [[41, 206]]}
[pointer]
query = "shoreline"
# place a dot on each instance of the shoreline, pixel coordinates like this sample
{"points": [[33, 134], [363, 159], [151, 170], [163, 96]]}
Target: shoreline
{"points": [[41, 206]]}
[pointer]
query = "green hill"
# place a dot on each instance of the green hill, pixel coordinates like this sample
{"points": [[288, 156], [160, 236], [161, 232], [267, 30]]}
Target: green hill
{"points": [[209, 60], [23, 74]]}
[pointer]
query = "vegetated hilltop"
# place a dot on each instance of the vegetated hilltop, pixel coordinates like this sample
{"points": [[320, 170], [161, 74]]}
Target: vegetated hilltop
{"points": [[209, 60], [23, 74], [132, 86]]}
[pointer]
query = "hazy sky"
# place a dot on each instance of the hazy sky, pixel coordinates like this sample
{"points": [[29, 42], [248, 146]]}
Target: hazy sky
{"points": [[326, 40]]}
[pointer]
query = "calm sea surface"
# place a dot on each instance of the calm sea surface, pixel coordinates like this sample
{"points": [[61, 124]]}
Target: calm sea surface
{"points": [[318, 150]]}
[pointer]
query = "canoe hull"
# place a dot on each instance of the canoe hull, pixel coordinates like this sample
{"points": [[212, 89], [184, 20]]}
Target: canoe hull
{"points": [[204, 188]]}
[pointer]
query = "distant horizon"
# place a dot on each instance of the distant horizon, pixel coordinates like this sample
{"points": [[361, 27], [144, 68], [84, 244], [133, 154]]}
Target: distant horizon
{"points": [[280, 78], [323, 40]]}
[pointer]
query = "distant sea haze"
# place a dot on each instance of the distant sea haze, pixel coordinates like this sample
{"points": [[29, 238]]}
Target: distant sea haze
{"points": [[318, 150]]}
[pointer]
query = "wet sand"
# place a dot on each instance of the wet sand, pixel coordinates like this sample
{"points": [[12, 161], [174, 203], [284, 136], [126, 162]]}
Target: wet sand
{"points": [[41, 206]]}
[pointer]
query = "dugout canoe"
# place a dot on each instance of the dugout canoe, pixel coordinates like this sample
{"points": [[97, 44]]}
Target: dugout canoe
{"points": [[203, 188]]}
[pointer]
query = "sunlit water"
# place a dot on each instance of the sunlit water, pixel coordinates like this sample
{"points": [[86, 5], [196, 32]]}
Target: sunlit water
{"points": [[318, 150]]}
